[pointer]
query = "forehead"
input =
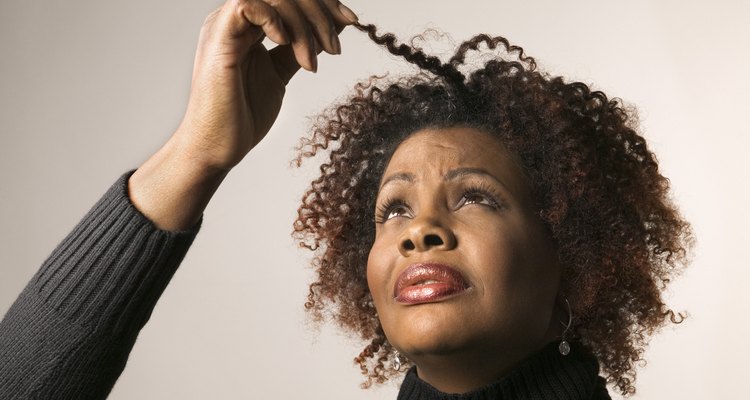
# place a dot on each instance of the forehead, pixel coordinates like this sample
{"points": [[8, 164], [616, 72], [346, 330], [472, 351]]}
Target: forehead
{"points": [[458, 144], [432, 152]]}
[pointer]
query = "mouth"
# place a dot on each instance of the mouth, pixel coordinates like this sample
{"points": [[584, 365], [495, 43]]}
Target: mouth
{"points": [[428, 283]]}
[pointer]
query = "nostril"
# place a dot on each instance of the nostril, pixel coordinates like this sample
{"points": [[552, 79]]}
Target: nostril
{"points": [[408, 245], [433, 240]]}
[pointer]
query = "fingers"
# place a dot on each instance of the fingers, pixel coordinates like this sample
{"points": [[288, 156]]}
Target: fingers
{"points": [[302, 39], [320, 15], [328, 18], [345, 14], [284, 60], [261, 14], [308, 26], [314, 26], [239, 24]]}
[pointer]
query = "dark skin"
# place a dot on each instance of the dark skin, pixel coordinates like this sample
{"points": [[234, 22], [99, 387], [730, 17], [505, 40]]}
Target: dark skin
{"points": [[236, 93], [493, 236], [237, 89]]}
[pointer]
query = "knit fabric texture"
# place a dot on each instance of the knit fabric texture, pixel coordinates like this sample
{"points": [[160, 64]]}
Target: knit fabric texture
{"points": [[545, 375], [69, 333]]}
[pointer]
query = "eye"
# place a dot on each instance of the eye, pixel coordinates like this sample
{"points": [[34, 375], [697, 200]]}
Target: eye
{"points": [[391, 208], [395, 212], [481, 196]]}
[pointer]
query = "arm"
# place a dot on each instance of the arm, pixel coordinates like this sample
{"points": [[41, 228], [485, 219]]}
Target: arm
{"points": [[236, 93], [69, 333]]}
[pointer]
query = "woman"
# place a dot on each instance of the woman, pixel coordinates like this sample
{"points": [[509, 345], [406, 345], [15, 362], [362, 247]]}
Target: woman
{"points": [[517, 228]]}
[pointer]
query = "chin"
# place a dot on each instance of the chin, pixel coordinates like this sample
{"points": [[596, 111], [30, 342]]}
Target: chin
{"points": [[430, 329]]}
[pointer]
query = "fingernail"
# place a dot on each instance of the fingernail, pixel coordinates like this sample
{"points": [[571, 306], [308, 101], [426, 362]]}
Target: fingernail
{"points": [[336, 43], [349, 14]]}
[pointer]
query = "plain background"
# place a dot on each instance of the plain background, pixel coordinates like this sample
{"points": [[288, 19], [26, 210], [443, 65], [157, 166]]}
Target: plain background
{"points": [[89, 89]]}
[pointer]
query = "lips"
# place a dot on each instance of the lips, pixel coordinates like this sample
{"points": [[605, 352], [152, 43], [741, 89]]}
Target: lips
{"points": [[427, 283]]}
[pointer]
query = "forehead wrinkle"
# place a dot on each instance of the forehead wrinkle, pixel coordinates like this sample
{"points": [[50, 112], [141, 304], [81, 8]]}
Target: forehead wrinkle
{"points": [[401, 176]]}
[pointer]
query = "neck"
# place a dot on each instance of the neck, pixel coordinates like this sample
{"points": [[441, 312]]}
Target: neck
{"points": [[544, 375], [468, 370]]}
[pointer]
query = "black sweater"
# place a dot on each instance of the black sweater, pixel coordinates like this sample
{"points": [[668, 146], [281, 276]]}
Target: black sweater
{"points": [[545, 375], [69, 333]]}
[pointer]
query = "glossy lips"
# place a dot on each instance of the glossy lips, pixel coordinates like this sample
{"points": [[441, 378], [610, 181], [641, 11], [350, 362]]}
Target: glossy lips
{"points": [[426, 283]]}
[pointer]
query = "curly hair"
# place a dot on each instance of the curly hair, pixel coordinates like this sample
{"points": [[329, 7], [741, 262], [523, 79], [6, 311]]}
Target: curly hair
{"points": [[620, 239]]}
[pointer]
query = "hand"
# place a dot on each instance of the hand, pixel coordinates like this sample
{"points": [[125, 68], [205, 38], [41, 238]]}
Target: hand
{"points": [[236, 94], [238, 85]]}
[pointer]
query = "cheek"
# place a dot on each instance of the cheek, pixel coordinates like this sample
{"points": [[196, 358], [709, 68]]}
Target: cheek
{"points": [[497, 262], [517, 267], [533, 278], [539, 256], [378, 266], [376, 282], [489, 248]]}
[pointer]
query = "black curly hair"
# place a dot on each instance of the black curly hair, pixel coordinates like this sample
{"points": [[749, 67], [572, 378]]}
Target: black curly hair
{"points": [[620, 239]]}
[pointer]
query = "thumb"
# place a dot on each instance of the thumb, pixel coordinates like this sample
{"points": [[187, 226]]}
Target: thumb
{"points": [[283, 60]]}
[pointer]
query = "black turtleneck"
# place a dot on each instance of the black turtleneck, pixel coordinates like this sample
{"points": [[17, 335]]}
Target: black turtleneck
{"points": [[545, 375]]}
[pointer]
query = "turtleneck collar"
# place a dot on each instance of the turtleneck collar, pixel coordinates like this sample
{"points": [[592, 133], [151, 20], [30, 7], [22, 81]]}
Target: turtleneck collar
{"points": [[545, 375]]}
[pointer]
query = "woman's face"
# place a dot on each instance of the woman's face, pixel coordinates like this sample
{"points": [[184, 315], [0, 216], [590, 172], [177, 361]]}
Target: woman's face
{"points": [[461, 265]]}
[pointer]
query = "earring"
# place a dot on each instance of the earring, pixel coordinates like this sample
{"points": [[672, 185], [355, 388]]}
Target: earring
{"points": [[397, 362], [564, 346]]}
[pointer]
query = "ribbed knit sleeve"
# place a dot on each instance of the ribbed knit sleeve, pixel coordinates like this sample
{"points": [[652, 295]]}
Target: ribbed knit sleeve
{"points": [[69, 333]]}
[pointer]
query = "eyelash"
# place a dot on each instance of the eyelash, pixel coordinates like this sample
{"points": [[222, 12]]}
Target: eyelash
{"points": [[483, 190]]}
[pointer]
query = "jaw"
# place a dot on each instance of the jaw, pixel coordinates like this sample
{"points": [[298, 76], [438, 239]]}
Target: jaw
{"points": [[458, 360], [464, 370]]}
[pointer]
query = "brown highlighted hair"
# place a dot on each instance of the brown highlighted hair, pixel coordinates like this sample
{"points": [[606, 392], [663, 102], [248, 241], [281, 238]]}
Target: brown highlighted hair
{"points": [[598, 186]]}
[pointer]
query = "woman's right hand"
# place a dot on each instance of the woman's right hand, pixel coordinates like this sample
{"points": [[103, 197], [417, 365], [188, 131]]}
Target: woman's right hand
{"points": [[238, 85], [236, 93]]}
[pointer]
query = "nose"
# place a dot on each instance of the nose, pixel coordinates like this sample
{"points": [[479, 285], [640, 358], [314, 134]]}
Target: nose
{"points": [[424, 234]]}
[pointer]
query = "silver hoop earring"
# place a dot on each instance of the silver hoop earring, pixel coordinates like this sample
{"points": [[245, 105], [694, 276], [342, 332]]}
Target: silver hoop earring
{"points": [[397, 362], [564, 346]]}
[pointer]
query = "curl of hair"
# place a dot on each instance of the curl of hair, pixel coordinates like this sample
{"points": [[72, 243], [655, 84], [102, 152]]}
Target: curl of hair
{"points": [[620, 238]]}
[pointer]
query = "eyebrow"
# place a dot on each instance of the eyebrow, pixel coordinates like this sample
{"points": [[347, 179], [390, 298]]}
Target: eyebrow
{"points": [[449, 176], [461, 172], [403, 176]]}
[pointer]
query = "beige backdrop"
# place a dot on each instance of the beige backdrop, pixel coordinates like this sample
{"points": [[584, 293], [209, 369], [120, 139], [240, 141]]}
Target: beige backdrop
{"points": [[89, 89]]}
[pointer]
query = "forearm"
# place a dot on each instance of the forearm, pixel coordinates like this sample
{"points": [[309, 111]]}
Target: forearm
{"points": [[174, 186], [69, 333]]}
